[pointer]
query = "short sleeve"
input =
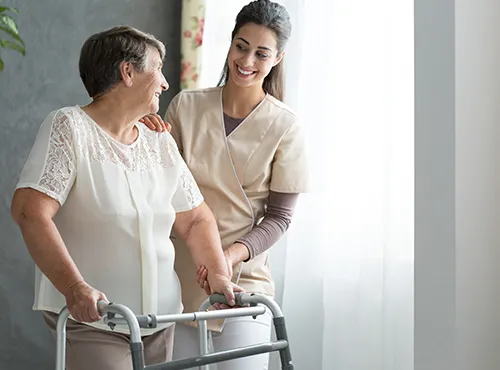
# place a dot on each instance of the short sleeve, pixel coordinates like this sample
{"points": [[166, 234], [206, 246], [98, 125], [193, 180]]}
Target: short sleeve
{"points": [[172, 117], [51, 164], [187, 195], [290, 168]]}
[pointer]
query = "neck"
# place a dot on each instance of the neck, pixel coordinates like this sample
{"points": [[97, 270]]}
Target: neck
{"points": [[114, 115], [238, 102]]}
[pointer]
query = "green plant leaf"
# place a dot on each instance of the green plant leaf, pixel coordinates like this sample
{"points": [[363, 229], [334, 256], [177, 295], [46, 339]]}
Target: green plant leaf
{"points": [[11, 32], [4, 8], [1, 63], [10, 23], [6, 44]]}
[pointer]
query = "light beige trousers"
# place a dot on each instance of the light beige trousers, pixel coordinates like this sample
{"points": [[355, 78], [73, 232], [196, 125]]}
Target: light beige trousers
{"points": [[88, 348]]}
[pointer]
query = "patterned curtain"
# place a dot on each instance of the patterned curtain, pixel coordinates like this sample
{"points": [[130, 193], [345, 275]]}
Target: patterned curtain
{"points": [[193, 22]]}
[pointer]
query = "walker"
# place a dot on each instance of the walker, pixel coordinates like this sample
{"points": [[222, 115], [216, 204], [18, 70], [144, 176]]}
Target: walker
{"points": [[256, 307]]}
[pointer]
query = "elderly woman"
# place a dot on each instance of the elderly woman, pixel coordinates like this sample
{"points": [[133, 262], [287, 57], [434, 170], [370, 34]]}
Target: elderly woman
{"points": [[97, 200]]}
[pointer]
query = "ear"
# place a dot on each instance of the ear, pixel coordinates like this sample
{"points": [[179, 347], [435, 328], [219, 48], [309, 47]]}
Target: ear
{"points": [[127, 72], [279, 58]]}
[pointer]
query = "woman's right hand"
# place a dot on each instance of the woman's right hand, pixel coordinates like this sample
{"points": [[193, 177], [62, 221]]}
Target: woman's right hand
{"points": [[81, 300], [156, 123]]}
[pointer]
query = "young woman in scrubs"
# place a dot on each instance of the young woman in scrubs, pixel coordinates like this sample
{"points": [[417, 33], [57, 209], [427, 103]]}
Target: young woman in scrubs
{"points": [[246, 150]]}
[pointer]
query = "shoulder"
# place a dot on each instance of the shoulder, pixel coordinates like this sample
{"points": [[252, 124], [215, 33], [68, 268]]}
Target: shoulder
{"points": [[286, 117], [280, 106], [196, 97], [64, 117], [61, 121], [155, 140]]}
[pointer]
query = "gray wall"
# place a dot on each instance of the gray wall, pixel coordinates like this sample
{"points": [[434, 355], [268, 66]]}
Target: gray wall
{"points": [[31, 87], [434, 342], [457, 197], [477, 197]]}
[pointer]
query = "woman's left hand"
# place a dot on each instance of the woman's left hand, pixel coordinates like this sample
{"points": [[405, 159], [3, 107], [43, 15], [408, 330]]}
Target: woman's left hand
{"points": [[156, 123]]}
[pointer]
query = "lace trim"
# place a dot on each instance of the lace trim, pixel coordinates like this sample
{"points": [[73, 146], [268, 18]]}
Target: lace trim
{"points": [[150, 151], [59, 165], [190, 188]]}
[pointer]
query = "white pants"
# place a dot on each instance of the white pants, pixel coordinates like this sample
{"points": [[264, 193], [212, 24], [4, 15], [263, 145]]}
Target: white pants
{"points": [[237, 332]]}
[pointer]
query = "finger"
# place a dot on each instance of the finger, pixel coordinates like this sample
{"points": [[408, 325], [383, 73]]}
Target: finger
{"points": [[229, 294], [199, 275], [168, 126], [220, 306], [149, 123], [85, 314], [206, 287], [93, 313], [158, 122], [237, 288], [199, 279], [102, 297], [76, 315], [204, 274]]}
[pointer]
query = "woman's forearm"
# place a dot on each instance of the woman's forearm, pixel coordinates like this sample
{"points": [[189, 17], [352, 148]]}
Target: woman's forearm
{"points": [[199, 230], [46, 247]]}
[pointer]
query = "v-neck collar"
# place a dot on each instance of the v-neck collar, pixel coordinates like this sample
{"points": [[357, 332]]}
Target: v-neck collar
{"points": [[243, 121]]}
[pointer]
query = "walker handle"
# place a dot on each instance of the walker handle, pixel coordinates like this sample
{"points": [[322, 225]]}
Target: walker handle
{"points": [[100, 306], [220, 298]]}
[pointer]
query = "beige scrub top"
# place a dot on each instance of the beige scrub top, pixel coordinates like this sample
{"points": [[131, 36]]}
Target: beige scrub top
{"points": [[235, 174]]}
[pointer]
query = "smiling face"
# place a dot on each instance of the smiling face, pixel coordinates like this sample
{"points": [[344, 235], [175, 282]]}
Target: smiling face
{"points": [[252, 55], [150, 83]]}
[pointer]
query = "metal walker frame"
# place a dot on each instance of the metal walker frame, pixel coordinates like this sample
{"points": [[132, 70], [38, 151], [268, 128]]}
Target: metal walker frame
{"points": [[257, 306]]}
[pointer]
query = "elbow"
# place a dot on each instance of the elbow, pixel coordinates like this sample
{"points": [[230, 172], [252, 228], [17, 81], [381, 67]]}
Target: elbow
{"points": [[25, 210], [16, 211]]}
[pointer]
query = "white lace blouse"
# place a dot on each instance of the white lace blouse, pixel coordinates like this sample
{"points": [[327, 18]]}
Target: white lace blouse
{"points": [[118, 205]]}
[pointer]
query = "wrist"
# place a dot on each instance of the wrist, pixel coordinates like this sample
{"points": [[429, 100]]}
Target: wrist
{"points": [[236, 253], [74, 286]]}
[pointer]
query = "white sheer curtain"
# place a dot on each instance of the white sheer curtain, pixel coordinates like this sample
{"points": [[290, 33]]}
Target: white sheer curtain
{"points": [[345, 269]]}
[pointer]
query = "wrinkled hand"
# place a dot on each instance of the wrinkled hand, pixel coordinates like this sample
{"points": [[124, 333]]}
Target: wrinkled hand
{"points": [[204, 280], [81, 300], [222, 284], [156, 123], [202, 273]]}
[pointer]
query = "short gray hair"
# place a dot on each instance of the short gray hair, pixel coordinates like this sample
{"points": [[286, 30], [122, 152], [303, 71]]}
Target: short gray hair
{"points": [[103, 52]]}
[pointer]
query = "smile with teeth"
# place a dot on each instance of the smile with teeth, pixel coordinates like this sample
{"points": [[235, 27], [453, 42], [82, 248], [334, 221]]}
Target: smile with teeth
{"points": [[157, 95], [244, 71]]}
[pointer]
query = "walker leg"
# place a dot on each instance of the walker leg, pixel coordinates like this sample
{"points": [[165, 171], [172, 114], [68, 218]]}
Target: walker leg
{"points": [[281, 334], [203, 337]]}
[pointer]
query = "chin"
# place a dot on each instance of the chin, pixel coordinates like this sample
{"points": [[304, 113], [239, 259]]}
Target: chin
{"points": [[245, 83], [154, 108]]}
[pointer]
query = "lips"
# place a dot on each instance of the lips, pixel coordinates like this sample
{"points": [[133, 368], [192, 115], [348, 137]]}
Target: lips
{"points": [[244, 72]]}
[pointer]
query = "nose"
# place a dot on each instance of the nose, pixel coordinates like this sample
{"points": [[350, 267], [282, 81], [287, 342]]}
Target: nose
{"points": [[164, 84], [247, 60]]}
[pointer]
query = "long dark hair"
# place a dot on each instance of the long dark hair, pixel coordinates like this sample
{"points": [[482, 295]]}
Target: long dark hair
{"points": [[275, 17]]}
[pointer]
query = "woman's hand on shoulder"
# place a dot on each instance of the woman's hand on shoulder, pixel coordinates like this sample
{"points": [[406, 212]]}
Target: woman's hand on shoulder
{"points": [[156, 123]]}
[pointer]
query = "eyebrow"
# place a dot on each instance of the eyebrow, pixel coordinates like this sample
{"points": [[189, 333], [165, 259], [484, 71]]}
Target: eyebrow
{"points": [[258, 47]]}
